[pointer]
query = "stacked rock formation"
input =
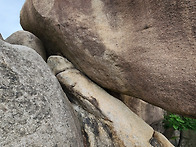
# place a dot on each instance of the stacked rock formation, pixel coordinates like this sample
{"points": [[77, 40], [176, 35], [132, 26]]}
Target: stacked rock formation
{"points": [[145, 49], [34, 111], [120, 65]]}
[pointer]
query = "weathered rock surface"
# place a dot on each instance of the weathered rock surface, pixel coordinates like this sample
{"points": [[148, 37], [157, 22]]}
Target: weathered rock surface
{"points": [[185, 138], [27, 39], [163, 141], [149, 113], [106, 120], [97, 132], [188, 138], [34, 110], [145, 49]]}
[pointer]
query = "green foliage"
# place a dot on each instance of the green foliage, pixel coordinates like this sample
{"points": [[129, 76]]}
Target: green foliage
{"points": [[179, 122]]}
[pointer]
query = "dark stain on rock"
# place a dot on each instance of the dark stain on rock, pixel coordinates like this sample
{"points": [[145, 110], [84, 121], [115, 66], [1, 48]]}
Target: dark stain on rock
{"points": [[91, 41], [92, 123], [95, 49], [117, 142], [154, 142], [73, 99], [85, 138], [108, 130], [113, 93], [94, 102], [146, 26], [91, 126]]}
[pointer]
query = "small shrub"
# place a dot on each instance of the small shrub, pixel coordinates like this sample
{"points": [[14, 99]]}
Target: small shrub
{"points": [[179, 122]]}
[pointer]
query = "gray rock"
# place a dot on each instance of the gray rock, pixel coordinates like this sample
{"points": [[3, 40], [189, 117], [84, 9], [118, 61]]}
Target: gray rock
{"points": [[27, 39], [188, 138], [1, 37], [34, 111], [184, 138], [142, 48]]}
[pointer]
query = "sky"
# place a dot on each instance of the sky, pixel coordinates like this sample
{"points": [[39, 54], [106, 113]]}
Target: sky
{"points": [[10, 16]]}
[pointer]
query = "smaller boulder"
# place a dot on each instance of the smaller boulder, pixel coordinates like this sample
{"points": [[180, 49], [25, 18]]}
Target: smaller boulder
{"points": [[27, 39], [105, 120]]}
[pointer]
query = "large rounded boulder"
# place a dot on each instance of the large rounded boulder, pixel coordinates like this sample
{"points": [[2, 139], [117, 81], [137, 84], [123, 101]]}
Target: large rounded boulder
{"points": [[142, 48], [27, 39], [34, 110]]}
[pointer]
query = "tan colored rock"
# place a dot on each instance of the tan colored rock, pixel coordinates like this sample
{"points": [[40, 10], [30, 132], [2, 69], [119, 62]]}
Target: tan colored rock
{"points": [[97, 132], [59, 64], [34, 111], [128, 129], [149, 113], [142, 48], [27, 39], [162, 139]]}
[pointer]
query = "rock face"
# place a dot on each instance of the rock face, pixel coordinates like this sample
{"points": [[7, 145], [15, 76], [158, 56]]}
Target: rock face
{"points": [[185, 138], [34, 111], [106, 120], [188, 138], [27, 39], [162, 140], [145, 49], [149, 113]]}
